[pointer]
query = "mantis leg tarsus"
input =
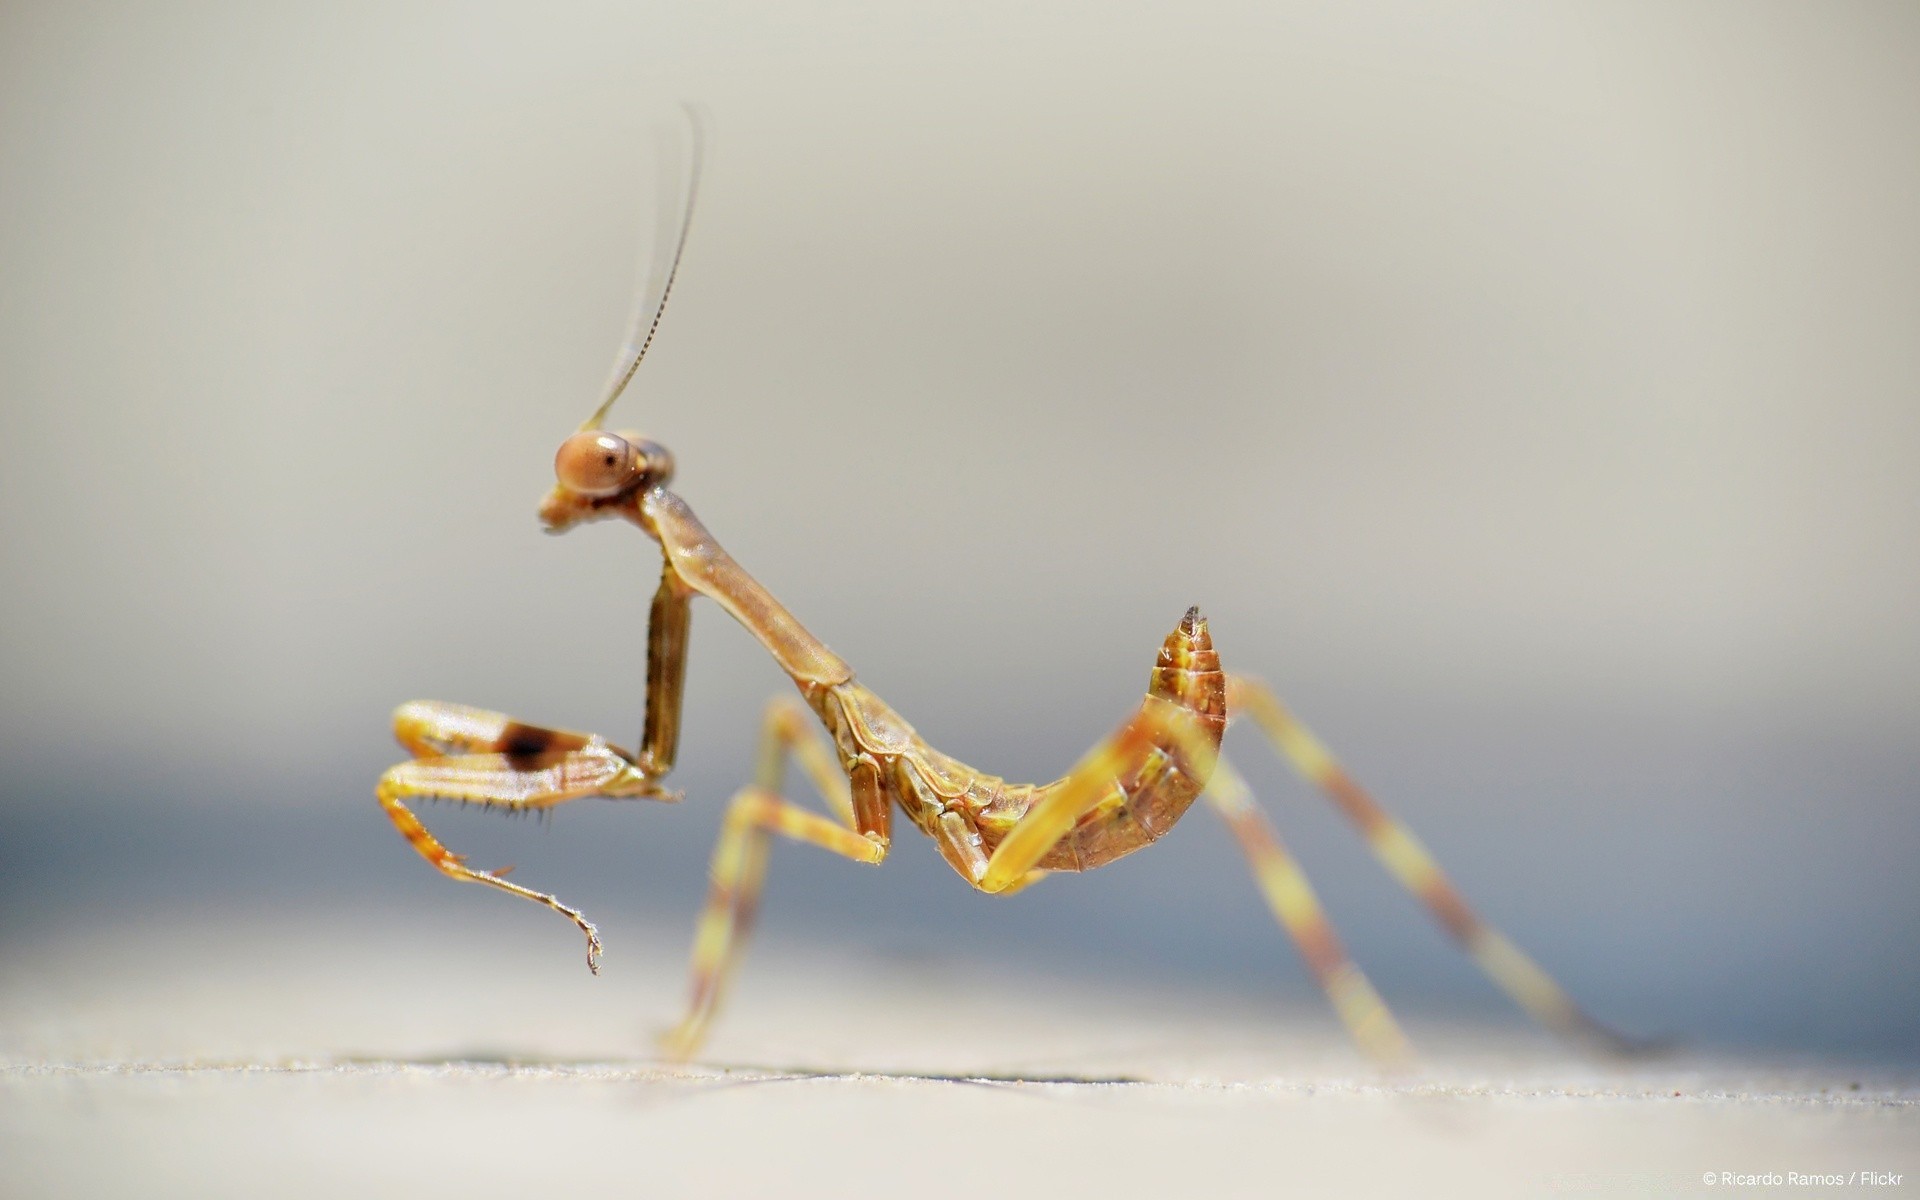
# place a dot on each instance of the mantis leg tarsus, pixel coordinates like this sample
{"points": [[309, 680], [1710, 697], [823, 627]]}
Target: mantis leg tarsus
{"points": [[397, 786]]}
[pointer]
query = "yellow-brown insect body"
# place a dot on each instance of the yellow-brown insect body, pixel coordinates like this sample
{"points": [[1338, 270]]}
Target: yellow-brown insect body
{"points": [[1152, 776], [1122, 795], [967, 812]]}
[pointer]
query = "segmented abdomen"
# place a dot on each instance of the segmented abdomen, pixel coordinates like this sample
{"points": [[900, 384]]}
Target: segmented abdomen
{"points": [[1157, 763], [1176, 735]]}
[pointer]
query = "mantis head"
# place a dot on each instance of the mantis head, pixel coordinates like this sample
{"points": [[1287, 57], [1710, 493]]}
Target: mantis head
{"points": [[603, 474], [600, 474]]}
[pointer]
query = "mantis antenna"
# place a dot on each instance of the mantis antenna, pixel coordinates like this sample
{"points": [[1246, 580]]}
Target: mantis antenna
{"points": [[673, 216]]}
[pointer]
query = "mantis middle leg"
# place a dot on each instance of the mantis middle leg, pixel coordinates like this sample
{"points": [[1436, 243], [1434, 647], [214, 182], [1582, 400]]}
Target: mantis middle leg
{"points": [[740, 857]]}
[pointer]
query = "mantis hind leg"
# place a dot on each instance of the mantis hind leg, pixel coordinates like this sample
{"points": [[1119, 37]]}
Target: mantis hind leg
{"points": [[740, 858], [485, 758], [1279, 877], [1409, 862], [1294, 905]]}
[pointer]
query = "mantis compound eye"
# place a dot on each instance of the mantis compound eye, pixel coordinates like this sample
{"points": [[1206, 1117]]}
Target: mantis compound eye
{"points": [[596, 464]]}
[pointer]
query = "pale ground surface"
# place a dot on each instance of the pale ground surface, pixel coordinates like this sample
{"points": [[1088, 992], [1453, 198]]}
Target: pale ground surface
{"points": [[246, 1058]]}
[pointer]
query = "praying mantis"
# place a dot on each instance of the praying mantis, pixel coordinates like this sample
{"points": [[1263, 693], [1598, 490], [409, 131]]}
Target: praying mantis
{"points": [[1000, 837]]}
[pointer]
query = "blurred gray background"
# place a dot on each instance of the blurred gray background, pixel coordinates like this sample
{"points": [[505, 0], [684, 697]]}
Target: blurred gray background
{"points": [[1529, 391]]}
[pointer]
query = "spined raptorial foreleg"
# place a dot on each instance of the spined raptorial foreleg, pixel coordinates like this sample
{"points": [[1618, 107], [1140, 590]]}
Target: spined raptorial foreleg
{"points": [[485, 758], [1414, 867], [740, 857], [669, 622]]}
